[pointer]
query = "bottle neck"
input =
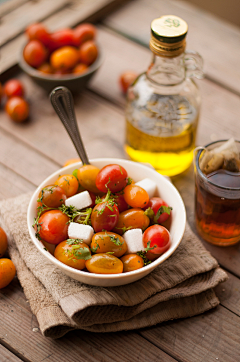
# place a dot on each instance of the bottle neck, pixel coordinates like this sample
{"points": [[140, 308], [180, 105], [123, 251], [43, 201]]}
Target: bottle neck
{"points": [[167, 71]]}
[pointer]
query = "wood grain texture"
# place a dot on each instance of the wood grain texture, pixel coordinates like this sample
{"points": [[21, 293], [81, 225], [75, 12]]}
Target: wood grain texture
{"points": [[215, 39], [7, 356], [18, 19], [211, 337], [10, 5]]}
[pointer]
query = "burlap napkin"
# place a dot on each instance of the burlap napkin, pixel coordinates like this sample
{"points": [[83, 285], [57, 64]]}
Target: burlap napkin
{"points": [[178, 288]]}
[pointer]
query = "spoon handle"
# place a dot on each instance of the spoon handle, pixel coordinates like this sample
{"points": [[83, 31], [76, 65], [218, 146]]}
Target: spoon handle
{"points": [[62, 101]]}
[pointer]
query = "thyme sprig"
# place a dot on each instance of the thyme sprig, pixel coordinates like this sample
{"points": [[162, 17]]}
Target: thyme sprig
{"points": [[77, 250], [72, 213]]}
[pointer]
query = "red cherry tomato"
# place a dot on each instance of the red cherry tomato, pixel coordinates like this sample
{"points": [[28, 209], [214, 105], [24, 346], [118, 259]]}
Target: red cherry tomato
{"points": [[104, 216], [112, 177], [158, 237], [62, 38], [17, 108], [53, 226], [13, 88], [126, 79], [37, 31], [88, 52], [35, 53], [120, 202], [84, 32], [155, 203]]}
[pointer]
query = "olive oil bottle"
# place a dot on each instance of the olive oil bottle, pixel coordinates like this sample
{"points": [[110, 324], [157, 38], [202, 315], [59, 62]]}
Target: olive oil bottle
{"points": [[163, 103]]}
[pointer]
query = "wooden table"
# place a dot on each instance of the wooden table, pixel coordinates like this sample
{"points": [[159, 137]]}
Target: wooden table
{"points": [[31, 151]]}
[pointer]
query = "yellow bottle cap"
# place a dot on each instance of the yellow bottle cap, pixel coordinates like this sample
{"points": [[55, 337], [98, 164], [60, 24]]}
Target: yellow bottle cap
{"points": [[169, 29]]}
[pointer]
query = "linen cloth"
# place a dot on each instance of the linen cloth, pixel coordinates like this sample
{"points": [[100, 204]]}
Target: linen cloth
{"points": [[182, 286]]}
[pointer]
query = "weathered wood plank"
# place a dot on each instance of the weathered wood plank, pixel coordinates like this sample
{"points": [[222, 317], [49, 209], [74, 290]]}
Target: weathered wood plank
{"points": [[33, 11], [229, 294], [7, 356], [215, 39], [10, 5], [77, 12], [212, 336]]}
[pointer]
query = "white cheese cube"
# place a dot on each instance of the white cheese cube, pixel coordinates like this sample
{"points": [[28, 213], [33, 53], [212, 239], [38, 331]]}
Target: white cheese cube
{"points": [[80, 231], [148, 185], [80, 201], [134, 240]]}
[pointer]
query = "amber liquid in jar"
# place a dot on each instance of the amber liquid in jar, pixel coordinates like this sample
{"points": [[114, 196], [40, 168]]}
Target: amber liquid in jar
{"points": [[162, 132], [217, 217]]}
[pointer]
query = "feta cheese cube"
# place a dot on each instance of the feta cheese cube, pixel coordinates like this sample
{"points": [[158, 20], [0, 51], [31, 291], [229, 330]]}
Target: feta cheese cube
{"points": [[80, 201], [80, 231], [134, 240], [148, 185]]}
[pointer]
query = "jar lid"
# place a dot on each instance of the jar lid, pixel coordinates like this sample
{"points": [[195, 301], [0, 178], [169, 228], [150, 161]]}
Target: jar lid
{"points": [[169, 29]]}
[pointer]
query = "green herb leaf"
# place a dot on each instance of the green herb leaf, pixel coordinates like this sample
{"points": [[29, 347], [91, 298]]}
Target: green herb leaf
{"points": [[161, 210], [149, 247], [95, 248]]}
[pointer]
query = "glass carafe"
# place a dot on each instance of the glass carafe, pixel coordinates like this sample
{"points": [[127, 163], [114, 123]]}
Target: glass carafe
{"points": [[163, 103]]}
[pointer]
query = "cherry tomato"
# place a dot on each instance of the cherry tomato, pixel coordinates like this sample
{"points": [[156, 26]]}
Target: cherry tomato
{"points": [[1, 92], [126, 79], [120, 202], [37, 31], [132, 262], [52, 196], [131, 219], [68, 183], [155, 203], [17, 108], [104, 264], [135, 196], [53, 226], [7, 272], [88, 52], [71, 161], [84, 32], [87, 175], [46, 68], [3, 242], [104, 242], [73, 254], [35, 53], [104, 216], [64, 58], [80, 68], [13, 88], [159, 238], [112, 177], [62, 38]]}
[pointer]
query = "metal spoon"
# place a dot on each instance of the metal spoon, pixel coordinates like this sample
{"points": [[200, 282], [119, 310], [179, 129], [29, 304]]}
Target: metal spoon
{"points": [[62, 101]]}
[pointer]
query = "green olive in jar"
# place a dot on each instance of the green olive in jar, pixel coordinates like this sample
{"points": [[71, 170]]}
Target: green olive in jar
{"points": [[104, 264], [106, 241]]}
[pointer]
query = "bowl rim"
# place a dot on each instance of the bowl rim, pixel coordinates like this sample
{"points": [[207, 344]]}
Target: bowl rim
{"points": [[33, 72], [92, 276]]}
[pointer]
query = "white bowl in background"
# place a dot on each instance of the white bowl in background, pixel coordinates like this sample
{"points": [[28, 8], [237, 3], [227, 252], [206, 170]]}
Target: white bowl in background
{"points": [[137, 172]]}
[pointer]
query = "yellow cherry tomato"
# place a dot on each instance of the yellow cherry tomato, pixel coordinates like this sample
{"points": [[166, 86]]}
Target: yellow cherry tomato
{"points": [[68, 183], [132, 262], [72, 254], [131, 219], [71, 161], [87, 175], [136, 196], [106, 241], [7, 272], [104, 264]]}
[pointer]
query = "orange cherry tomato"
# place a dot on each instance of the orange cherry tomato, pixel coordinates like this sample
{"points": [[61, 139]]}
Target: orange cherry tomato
{"points": [[104, 264], [13, 88], [17, 108], [37, 31], [64, 58], [84, 32], [53, 226], [72, 254], [132, 262], [88, 52], [71, 161], [80, 68], [1, 92], [52, 196], [106, 241], [126, 79], [131, 219], [46, 68], [3, 242], [136, 196], [87, 175], [68, 183], [7, 272], [35, 53]]}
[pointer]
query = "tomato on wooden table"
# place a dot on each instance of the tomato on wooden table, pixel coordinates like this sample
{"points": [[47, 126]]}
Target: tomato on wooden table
{"points": [[17, 109], [53, 226], [112, 177], [7, 272], [126, 79], [13, 88], [158, 238], [3, 242]]}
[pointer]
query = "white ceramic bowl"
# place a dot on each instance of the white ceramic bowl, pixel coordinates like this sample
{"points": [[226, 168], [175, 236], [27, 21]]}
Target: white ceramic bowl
{"points": [[137, 172]]}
